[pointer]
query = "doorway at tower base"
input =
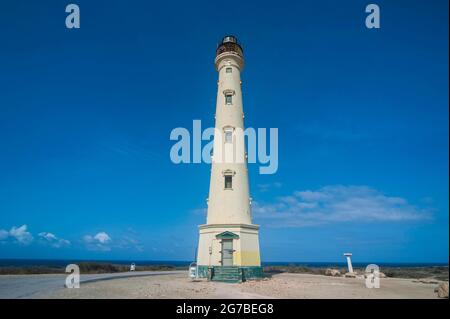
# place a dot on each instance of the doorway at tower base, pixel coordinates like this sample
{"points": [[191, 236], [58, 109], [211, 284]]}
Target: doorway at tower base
{"points": [[229, 250]]}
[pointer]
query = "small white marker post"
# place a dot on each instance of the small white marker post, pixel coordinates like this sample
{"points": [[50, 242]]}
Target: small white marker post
{"points": [[349, 262], [193, 270]]}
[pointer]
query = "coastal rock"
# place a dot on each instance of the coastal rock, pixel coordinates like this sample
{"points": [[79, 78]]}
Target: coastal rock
{"points": [[332, 272], [442, 290], [380, 275], [350, 275]]}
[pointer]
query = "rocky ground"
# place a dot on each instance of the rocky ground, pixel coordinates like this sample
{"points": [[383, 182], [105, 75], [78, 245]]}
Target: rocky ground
{"points": [[283, 285]]}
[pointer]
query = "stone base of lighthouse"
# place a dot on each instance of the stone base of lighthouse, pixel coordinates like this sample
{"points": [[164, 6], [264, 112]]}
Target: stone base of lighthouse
{"points": [[229, 251]]}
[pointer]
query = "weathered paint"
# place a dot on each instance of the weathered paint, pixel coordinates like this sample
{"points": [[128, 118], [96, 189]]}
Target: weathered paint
{"points": [[248, 272]]}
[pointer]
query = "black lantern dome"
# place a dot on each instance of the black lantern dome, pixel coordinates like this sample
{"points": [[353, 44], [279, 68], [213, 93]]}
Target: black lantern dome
{"points": [[229, 43]]}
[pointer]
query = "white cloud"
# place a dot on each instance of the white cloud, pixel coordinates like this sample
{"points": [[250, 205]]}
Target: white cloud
{"points": [[22, 236], [53, 240], [47, 236], [102, 237], [19, 234], [99, 241], [102, 241], [337, 204]]}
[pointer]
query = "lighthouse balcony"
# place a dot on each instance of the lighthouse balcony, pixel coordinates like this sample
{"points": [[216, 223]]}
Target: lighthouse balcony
{"points": [[229, 47]]}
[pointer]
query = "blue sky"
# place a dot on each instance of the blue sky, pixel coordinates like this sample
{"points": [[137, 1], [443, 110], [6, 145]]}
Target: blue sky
{"points": [[86, 116]]}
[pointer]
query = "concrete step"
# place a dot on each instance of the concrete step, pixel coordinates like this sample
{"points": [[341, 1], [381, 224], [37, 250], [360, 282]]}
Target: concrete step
{"points": [[234, 269], [227, 274], [227, 278]]}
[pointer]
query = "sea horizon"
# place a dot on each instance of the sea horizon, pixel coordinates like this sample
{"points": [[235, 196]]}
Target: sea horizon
{"points": [[28, 262]]}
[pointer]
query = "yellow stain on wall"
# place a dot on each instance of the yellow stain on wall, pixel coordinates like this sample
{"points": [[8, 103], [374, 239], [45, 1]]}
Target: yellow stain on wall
{"points": [[246, 258]]}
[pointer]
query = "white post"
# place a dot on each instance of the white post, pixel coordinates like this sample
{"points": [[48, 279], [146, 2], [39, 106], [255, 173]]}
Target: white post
{"points": [[349, 262]]}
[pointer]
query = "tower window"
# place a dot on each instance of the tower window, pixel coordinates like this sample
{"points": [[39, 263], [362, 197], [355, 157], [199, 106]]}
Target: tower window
{"points": [[228, 182], [228, 99], [228, 96], [228, 70], [228, 135]]}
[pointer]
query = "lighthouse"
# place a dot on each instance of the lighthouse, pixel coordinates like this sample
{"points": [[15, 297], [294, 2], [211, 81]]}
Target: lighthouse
{"points": [[228, 248]]}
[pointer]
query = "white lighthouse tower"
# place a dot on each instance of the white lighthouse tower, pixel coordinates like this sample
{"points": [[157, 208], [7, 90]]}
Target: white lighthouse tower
{"points": [[228, 247]]}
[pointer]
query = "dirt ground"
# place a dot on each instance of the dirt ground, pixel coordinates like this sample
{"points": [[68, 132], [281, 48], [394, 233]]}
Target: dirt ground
{"points": [[283, 285]]}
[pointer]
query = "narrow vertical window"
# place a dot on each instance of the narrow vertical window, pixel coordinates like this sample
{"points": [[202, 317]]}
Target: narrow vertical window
{"points": [[228, 182], [228, 96], [228, 99], [228, 135]]}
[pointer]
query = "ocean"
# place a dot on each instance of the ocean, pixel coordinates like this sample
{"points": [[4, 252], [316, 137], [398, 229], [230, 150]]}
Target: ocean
{"points": [[57, 263]]}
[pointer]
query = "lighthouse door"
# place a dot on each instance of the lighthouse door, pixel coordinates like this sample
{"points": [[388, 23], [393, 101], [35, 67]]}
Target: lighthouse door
{"points": [[227, 252]]}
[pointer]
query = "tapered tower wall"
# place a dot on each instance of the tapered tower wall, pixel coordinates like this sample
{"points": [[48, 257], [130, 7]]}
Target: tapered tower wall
{"points": [[229, 220]]}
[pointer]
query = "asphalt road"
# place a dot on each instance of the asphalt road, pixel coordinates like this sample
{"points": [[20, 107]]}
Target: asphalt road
{"points": [[34, 286]]}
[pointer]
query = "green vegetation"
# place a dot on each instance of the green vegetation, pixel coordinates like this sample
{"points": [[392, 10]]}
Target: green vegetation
{"points": [[30, 270], [430, 272], [438, 272], [85, 268], [294, 269]]}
